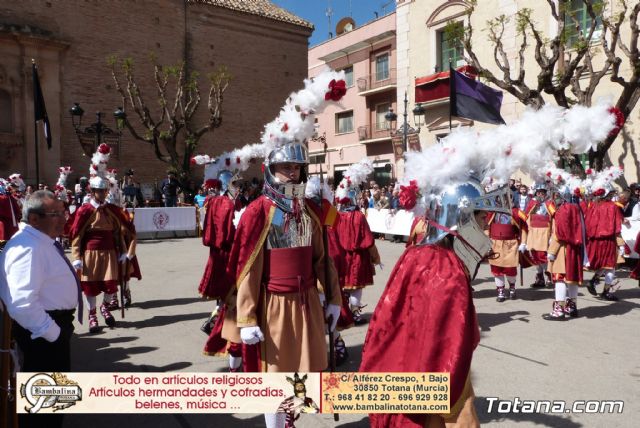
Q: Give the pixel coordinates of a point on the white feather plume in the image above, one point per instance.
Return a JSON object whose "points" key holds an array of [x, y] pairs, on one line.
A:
{"points": [[527, 145], [353, 177], [296, 121]]}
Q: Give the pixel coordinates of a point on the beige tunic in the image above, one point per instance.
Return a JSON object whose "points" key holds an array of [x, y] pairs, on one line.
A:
{"points": [[102, 265], [294, 340]]}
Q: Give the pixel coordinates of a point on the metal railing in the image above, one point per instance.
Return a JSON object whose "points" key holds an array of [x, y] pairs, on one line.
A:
{"points": [[377, 80], [370, 132]]}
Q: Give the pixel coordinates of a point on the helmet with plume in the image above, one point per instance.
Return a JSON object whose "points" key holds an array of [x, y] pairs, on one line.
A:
{"points": [[451, 173], [98, 168], [347, 190]]}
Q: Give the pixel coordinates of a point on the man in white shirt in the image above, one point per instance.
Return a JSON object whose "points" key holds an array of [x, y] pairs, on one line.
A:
{"points": [[40, 290]]}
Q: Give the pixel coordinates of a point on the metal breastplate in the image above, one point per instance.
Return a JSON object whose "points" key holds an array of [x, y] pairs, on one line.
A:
{"points": [[286, 232]]}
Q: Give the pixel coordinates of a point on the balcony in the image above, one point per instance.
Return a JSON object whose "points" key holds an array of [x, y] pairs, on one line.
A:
{"points": [[371, 134], [377, 82]]}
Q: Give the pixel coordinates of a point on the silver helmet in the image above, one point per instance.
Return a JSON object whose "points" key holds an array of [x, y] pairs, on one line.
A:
{"points": [[284, 194], [228, 183], [98, 182], [455, 211]]}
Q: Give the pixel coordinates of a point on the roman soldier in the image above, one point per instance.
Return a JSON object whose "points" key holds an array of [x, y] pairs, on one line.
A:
{"points": [[430, 289], [319, 198], [567, 251], [103, 242], [535, 236], [10, 213], [504, 231], [355, 237], [218, 234], [605, 246]]}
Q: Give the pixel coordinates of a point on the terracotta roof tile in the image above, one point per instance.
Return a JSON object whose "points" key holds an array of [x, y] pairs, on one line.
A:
{"points": [[259, 7]]}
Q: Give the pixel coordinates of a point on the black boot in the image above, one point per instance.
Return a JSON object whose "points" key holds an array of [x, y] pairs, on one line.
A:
{"points": [[570, 308], [608, 295], [539, 282], [501, 297], [341, 351], [591, 287]]}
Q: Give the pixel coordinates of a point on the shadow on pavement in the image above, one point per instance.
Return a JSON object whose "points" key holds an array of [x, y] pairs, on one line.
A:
{"points": [[522, 293], [90, 353], [541, 419], [488, 321], [162, 320], [151, 304]]}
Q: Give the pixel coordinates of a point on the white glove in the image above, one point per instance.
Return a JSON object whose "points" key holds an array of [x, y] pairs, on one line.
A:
{"points": [[122, 258], [551, 257], [334, 312], [77, 264], [522, 248], [381, 266], [322, 299], [621, 250], [251, 335]]}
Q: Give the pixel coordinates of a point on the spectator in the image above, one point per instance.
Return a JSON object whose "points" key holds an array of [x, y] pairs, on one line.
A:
{"points": [[132, 192], [199, 198], [522, 198], [383, 202], [41, 293], [170, 188]]}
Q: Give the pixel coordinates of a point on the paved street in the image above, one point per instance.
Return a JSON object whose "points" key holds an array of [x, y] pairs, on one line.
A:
{"points": [[520, 355]]}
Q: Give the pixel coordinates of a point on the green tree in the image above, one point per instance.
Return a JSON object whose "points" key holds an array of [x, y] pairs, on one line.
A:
{"points": [[588, 46], [171, 127]]}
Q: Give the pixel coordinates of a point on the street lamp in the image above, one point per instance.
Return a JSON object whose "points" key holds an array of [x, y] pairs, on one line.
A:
{"points": [[97, 133], [405, 129]]}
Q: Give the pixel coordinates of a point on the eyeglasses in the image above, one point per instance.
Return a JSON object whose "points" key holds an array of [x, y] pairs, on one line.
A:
{"points": [[64, 214]]}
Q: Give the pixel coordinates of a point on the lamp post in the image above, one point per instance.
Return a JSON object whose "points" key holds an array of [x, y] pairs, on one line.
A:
{"points": [[405, 129], [97, 133]]}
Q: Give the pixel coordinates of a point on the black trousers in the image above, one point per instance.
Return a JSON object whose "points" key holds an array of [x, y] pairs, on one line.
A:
{"points": [[41, 355]]}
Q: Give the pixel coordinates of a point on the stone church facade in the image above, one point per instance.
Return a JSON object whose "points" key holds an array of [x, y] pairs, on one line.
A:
{"points": [[263, 46]]}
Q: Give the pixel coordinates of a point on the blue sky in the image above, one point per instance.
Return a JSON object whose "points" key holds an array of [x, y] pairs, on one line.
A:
{"points": [[361, 11]]}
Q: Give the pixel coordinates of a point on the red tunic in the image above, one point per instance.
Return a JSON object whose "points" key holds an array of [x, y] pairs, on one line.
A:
{"points": [[218, 234], [356, 238], [603, 223], [568, 232], [635, 273], [9, 217], [426, 315]]}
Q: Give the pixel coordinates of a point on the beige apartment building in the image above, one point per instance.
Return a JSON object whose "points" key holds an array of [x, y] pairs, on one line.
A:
{"points": [[357, 127], [423, 54]]}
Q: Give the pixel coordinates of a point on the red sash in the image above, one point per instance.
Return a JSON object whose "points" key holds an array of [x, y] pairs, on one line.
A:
{"points": [[502, 231], [288, 270], [540, 220], [99, 240]]}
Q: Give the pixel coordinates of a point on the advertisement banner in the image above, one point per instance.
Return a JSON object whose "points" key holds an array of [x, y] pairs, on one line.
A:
{"points": [[292, 393]]}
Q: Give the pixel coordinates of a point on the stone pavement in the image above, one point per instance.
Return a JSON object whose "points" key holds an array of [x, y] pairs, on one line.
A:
{"points": [[520, 355]]}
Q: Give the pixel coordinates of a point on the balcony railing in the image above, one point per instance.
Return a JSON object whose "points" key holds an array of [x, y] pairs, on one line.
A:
{"points": [[369, 132], [377, 80]]}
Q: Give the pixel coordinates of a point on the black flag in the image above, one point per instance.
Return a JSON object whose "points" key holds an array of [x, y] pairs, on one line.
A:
{"points": [[39, 109]]}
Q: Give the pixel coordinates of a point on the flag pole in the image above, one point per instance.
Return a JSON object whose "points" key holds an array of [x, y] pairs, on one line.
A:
{"points": [[451, 77], [35, 122]]}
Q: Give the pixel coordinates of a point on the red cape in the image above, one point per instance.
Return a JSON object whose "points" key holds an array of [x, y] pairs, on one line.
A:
{"points": [[425, 314], [569, 232], [83, 214], [218, 234], [603, 220], [9, 211], [355, 237]]}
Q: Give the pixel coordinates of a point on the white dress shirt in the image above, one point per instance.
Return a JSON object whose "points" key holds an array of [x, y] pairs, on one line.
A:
{"points": [[34, 279]]}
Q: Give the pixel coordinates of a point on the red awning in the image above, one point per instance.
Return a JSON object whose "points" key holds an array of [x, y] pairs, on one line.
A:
{"points": [[436, 86]]}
